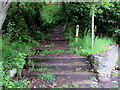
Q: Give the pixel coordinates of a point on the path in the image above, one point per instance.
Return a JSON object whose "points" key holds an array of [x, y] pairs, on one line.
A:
{"points": [[67, 69]]}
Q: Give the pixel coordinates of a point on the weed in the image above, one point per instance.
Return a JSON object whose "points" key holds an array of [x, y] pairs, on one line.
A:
{"points": [[42, 86], [41, 69], [92, 70], [93, 85], [77, 69], [93, 78], [43, 53], [65, 86], [51, 45], [54, 84], [48, 76], [56, 88], [75, 85]]}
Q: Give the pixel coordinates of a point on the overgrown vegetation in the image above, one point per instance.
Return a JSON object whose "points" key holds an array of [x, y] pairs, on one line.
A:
{"points": [[40, 69], [13, 56], [55, 51], [84, 43], [48, 76], [27, 22], [106, 18]]}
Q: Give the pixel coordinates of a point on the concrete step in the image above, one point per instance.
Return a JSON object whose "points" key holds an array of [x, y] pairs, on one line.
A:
{"points": [[68, 75], [57, 59], [54, 48], [61, 66], [81, 78], [58, 64], [66, 67], [57, 39]]}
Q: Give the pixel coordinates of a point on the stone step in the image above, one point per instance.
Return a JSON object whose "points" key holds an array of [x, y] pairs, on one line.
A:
{"points": [[58, 64], [81, 84], [61, 66], [57, 59], [63, 81], [54, 48], [68, 75], [66, 67], [57, 39]]}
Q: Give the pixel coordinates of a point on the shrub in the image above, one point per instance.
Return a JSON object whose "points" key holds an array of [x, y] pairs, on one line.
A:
{"points": [[13, 56]]}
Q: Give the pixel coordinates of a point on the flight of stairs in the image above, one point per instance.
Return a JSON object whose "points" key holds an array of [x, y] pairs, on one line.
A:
{"points": [[66, 68], [69, 70]]}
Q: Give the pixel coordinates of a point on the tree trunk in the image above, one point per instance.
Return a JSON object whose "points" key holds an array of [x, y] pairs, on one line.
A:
{"points": [[2, 19], [3, 11]]}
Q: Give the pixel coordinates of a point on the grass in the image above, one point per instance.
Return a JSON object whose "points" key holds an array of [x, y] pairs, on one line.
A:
{"points": [[77, 69], [84, 43], [93, 86], [48, 76], [51, 45], [54, 51], [75, 85], [65, 86], [93, 78], [41, 69]]}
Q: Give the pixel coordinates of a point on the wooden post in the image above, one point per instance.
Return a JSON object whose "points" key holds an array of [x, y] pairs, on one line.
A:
{"points": [[92, 43], [77, 31]]}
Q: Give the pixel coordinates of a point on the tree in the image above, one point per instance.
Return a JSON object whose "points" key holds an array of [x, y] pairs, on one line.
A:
{"points": [[95, 7], [3, 11]]}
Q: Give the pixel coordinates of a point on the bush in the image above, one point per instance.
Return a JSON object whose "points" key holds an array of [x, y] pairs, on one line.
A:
{"points": [[52, 13], [13, 56]]}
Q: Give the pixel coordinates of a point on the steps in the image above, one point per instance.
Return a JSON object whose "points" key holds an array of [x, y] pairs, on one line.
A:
{"points": [[66, 69], [57, 59], [57, 35]]}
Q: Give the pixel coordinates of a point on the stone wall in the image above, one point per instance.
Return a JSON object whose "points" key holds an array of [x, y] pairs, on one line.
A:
{"points": [[103, 63]]}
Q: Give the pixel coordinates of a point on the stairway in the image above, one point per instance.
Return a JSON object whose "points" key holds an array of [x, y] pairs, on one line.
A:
{"points": [[66, 69]]}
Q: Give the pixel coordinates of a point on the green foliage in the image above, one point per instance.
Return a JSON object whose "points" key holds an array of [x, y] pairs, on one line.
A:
{"points": [[16, 33], [75, 85], [1, 76], [13, 53], [52, 13], [77, 69], [43, 86], [51, 52], [24, 22], [9, 83], [13, 56], [51, 45], [54, 84], [48, 76], [100, 45], [108, 23], [93, 86], [65, 86], [41, 69], [106, 17], [93, 78]]}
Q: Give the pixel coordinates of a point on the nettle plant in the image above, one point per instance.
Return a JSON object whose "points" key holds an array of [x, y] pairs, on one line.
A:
{"points": [[13, 60]]}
